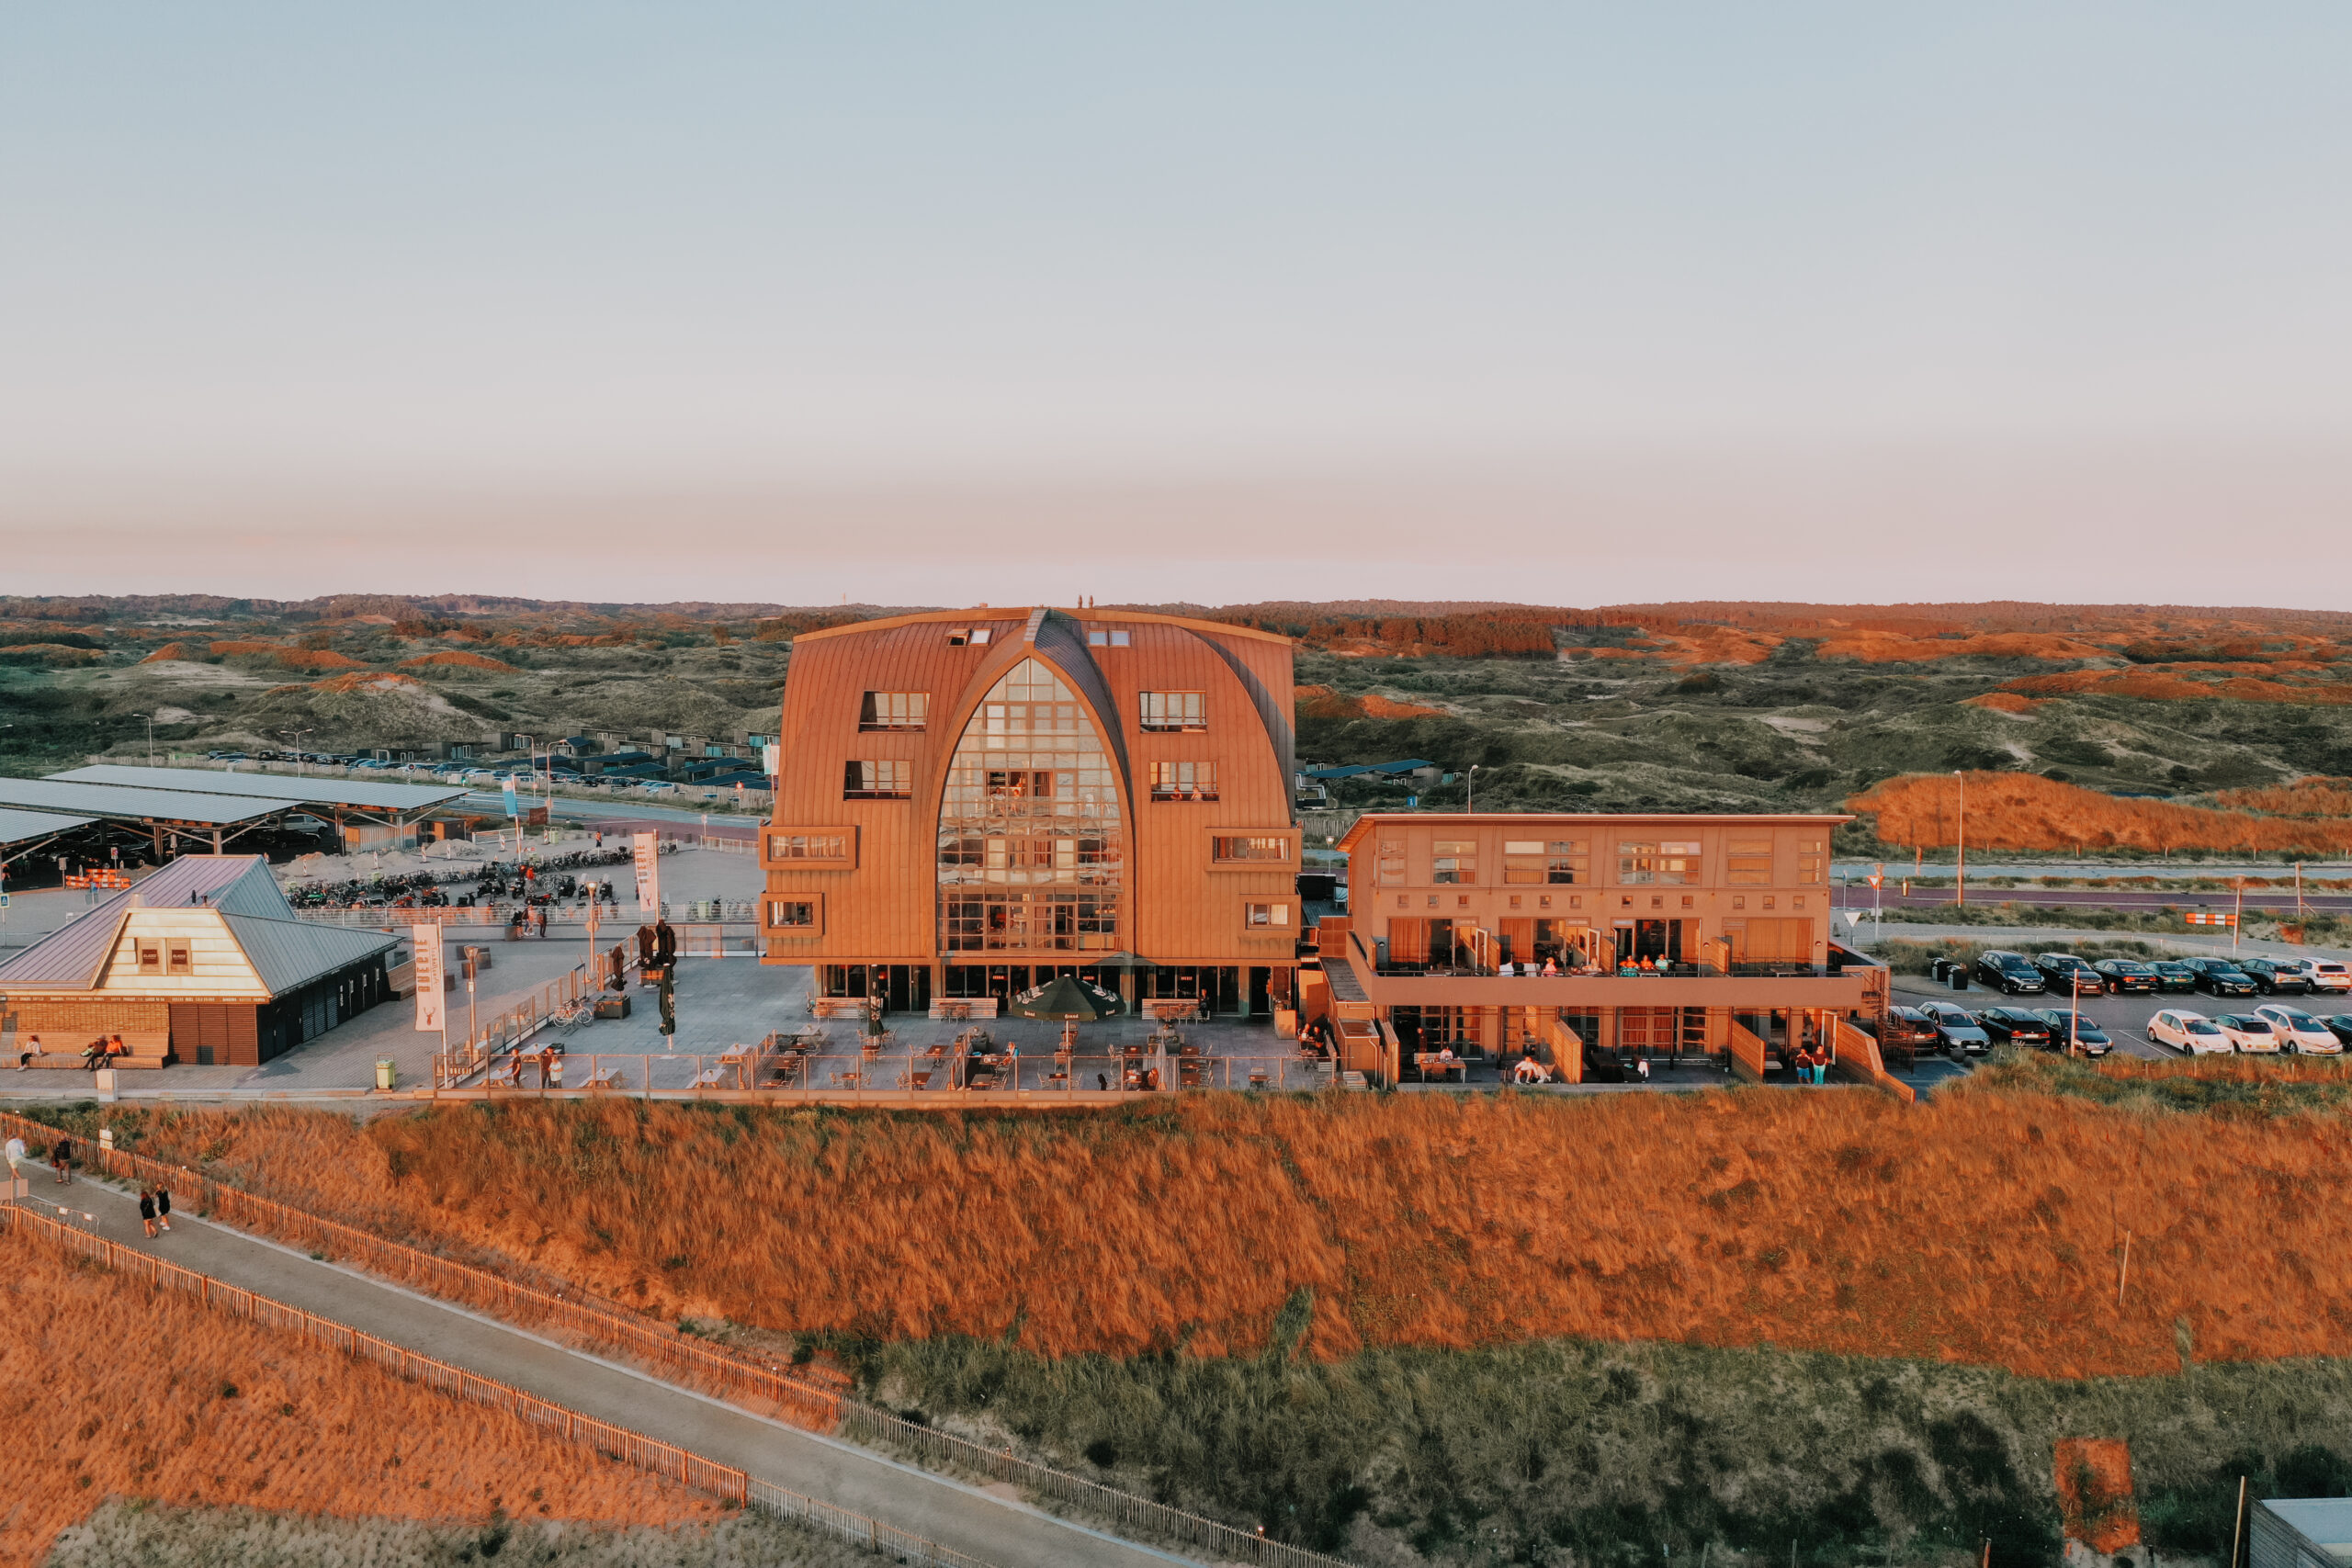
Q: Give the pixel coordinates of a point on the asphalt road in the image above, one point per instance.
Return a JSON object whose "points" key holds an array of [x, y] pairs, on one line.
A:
{"points": [[2125, 1018], [2098, 897]]}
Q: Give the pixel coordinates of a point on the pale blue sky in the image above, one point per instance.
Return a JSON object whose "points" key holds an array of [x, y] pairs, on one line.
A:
{"points": [[918, 303]]}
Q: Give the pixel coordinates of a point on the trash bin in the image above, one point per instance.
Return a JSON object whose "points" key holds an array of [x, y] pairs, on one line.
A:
{"points": [[1959, 978], [104, 1077], [385, 1072]]}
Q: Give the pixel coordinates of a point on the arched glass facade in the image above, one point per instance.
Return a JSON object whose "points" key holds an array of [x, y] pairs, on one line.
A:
{"points": [[1031, 850]]}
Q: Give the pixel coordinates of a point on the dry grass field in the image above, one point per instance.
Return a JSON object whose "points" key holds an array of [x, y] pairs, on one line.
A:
{"points": [[110, 1389], [2021, 811], [1988, 1226]]}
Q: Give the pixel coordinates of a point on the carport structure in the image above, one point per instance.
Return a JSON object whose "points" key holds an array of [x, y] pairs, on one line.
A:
{"points": [[23, 833], [166, 818], [395, 808]]}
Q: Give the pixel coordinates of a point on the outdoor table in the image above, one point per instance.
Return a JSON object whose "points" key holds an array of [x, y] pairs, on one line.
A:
{"points": [[848, 1080], [1429, 1061], [935, 1050], [914, 1080], [610, 1078], [711, 1078], [1258, 1078]]}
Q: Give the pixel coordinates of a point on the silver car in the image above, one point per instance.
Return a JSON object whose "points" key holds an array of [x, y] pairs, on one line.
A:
{"points": [[1957, 1028]]}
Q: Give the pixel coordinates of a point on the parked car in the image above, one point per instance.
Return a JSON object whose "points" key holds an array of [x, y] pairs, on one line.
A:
{"points": [[2323, 974], [2219, 977], [2189, 1031], [2078, 1029], [2249, 1033], [2126, 974], [1910, 1026], [2339, 1024], [2273, 979], [2015, 1026], [2300, 1033], [2174, 975], [2012, 973], [2064, 972], [1957, 1027]]}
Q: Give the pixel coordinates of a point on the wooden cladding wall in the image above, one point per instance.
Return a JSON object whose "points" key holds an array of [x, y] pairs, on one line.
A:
{"points": [[1174, 908]]}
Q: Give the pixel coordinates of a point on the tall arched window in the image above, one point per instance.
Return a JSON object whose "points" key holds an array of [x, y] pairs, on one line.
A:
{"points": [[1030, 844]]}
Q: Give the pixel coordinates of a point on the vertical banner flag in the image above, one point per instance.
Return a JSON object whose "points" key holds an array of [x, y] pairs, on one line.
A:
{"points": [[514, 806], [649, 873], [431, 965], [771, 759]]}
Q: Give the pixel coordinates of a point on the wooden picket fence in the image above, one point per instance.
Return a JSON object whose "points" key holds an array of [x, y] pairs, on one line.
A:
{"points": [[799, 1399], [728, 1375], [683, 1465]]}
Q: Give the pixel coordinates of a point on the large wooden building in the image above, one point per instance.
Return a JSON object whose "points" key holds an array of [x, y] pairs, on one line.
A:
{"points": [[1643, 932], [969, 803]]}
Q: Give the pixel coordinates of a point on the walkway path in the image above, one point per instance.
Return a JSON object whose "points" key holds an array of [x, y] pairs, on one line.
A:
{"points": [[981, 1523]]}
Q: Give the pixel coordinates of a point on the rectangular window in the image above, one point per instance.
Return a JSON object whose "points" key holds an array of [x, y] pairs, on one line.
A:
{"points": [[1453, 861], [1173, 710], [1391, 870], [808, 846], [977, 636], [1748, 862], [893, 710], [1809, 860], [177, 959], [1183, 781], [1678, 863], [1636, 864], [1106, 636], [889, 780], [1522, 860], [1267, 917], [151, 958], [793, 914], [1237, 848], [1566, 864]]}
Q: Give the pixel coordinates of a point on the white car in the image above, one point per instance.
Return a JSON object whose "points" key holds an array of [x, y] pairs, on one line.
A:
{"points": [[2189, 1031], [2321, 973], [2249, 1031], [2301, 1032]]}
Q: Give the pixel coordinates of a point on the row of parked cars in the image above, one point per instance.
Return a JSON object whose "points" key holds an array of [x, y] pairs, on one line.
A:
{"points": [[2013, 974], [1949, 1028]]}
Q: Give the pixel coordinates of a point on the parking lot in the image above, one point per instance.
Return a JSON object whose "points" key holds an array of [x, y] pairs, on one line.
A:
{"points": [[2125, 1017]]}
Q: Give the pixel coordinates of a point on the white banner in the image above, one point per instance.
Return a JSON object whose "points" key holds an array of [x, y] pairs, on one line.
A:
{"points": [[431, 966], [649, 873]]}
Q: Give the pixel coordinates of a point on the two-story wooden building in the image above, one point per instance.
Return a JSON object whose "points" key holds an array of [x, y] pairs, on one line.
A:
{"points": [[970, 802], [1653, 932]]}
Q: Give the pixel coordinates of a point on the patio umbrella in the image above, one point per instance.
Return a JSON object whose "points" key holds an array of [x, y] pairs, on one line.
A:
{"points": [[1070, 999]]}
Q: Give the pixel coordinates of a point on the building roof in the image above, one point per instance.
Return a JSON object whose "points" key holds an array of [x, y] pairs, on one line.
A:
{"points": [[137, 804], [285, 951], [1364, 823], [994, 613], [23, 827], [301, 790], [2324, 1522]]}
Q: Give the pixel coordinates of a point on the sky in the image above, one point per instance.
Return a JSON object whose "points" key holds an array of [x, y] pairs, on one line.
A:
{"points": [[905, 304]]}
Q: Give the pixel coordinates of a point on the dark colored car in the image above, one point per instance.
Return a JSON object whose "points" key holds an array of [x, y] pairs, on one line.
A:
{"points": [[1909, 1026], [2013, 974], [2219, 977], [2271, 980], [2015, 1026], [2079, 1029], [2064, 972], [2127, 975], [2340, 1025], [2174, 975]]}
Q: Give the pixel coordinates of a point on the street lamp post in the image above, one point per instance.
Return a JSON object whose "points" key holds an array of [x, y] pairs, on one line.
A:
{"points": [[150, 736], [296, 736], [1959, 890], [1469, 792]]}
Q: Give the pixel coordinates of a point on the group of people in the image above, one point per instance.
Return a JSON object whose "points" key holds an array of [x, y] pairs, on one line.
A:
{"points": [[1812, 1062], [155, 1202], [1509, 969]]}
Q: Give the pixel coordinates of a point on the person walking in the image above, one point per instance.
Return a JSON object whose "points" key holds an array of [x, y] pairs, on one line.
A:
{"points": [[541, 917], [163, 1207], [61, 1160], [15, 1156], [547, 1062], [147, 1212]]}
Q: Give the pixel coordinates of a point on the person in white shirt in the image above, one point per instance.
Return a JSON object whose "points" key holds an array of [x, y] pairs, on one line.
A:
{"points": [[16, 1156]]}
